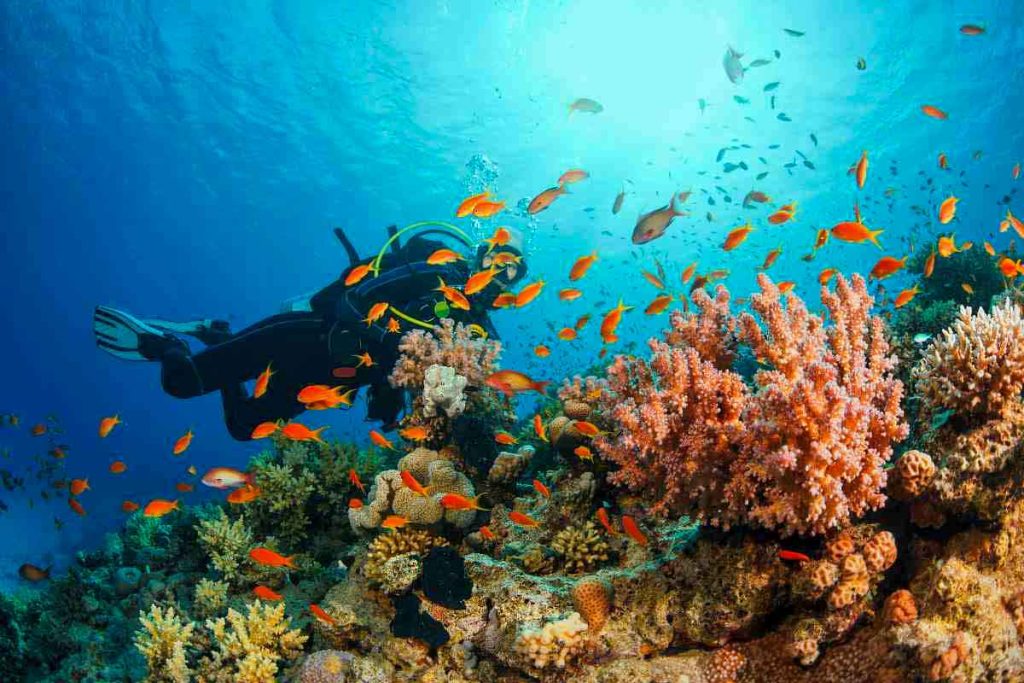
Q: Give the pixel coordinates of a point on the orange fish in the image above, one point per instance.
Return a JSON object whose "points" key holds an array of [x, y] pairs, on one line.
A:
{"points": [[264, 593], [469, 203], [354, 504], [411, 483], [321, 615], [158, 507], [773, 256], [260, 387], [76, 506], [541, 488], [688, 272], [602, 517], [38, 429], [929, 264], [966, 246], [183, 442], [1012, 221], [793, 556], [129, 506], [505, 439], [511, 382], [505, 258], [1009, 268], [479, 281], [545, 199], [783, 215], [486, 533], [633, 531], [583, 453], [500, 238], [972, 30], [107, 424], [443, 256], [529, 293], [394, 522], [569, 294], [117, 467], [487, 208], [943, 161], [317, 393], [264, 429], [947, 246], [736, 237], [244, 494], [886, 266], [567, 334], [821, 238], [934, 112], [31, 572], [906, 296], [989, 249], [611, 322], [947, 210], [79, 486], [653, 279], [519, 519], [394, 327], [786, 287], [826, 276], [353, 477], [414, 433], [1016, 171], [581, 322], [573, 176], [457, 298], [504, 300], [357, 274], [376, 312], [588, 429], [967, 288], [184, 487], [581, 266], [541, 351], [270, 558], [365, 360], [862, 169], [538, 428], [454, 501], [658, 305], [58, 452], [296, 431], [855, 231], [379, 440]]}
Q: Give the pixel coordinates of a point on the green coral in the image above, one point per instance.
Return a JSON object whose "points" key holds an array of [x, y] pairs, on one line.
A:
{"points": [[226, 542], [249, 648], [163, 641], [210, 597]]}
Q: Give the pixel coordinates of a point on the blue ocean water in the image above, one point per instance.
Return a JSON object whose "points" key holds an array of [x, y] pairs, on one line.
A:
{"points": [[190, 161]]}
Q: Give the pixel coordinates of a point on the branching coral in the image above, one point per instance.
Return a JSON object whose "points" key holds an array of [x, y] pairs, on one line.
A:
{"points": [[712, 333], [581, 548], [162, 641], [447, 344], [976, 367], [210, 597], [401, 542], [802, 454], [248, 648], [281, 506], [226, 542]]}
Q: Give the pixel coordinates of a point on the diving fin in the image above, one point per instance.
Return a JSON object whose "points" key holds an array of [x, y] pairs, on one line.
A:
{"points": [[125, 336]]}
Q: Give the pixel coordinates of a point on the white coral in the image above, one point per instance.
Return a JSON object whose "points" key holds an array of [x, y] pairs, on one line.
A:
{"points": [[443, 391], [554, 644]]}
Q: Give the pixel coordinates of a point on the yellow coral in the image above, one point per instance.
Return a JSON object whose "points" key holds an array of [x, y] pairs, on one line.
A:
{"points": [[249, 647], [226, 543], [162, 642], [389, 545], [210, 597], [581, 547]]}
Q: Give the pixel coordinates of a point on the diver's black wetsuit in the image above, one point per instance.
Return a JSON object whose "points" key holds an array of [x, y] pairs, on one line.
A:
{"points": [[319, 346]]}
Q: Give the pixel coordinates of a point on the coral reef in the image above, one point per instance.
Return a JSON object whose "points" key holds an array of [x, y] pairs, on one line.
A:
{"points": [[162, 642], [227, 543], [249, 648], [387, 546], [448, 344], [443, 392], [555, 644], [581, 548]]}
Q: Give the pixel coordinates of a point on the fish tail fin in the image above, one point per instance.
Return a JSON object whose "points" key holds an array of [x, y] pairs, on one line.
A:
{"points": [[541, 387], [317, 432], [873, 236], [476, 503]]}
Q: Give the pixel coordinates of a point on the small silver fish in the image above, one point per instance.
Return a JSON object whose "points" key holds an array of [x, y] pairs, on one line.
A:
{"points": [[733, 67], [921, 338], [586, 105]]}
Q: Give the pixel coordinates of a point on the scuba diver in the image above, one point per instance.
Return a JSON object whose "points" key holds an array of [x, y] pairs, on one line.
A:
{"points": [[320, 338]]}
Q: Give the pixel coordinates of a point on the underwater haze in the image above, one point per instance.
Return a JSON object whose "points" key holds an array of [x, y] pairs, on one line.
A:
{"points": [[187, 161]]}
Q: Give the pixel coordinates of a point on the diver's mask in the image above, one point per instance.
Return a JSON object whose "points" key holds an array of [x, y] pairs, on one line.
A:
{"points": [[511, 273]]}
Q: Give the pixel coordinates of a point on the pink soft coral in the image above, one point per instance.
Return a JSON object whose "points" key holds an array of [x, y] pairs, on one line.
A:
{"points": [[447, 344], [801, 454]]}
